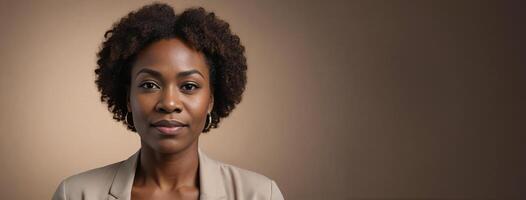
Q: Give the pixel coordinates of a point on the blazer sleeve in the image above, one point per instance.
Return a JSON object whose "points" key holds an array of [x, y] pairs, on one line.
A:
{"points": [[275, 193], [60, 193]]}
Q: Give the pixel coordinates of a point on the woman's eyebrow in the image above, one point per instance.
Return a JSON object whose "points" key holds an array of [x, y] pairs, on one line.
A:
{"points": [[152, 72], [157, 74], [188, 73]]}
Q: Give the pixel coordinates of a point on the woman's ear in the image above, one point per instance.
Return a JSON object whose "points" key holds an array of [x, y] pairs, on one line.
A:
{"points": [[211, 104]]}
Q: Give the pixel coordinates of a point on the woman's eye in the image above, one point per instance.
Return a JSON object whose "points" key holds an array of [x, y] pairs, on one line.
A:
{"points": [[148, 85], [189, 87]]}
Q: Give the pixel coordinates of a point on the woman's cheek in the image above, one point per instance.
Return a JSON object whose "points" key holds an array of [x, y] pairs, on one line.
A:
{"points": [[197, 109], [142, 105]]}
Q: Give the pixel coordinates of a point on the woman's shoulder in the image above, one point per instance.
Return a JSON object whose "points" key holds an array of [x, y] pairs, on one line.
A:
{"points": [[94, 176], [247, 182], [94, 182], [237, 174]]}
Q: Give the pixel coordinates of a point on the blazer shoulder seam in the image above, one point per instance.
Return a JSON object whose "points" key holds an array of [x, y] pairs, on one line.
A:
{"points": [[64, 191], [271, 189]]}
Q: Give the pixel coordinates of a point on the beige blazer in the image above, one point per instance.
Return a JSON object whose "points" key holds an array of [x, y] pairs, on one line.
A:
{"points": [[217, 181]]}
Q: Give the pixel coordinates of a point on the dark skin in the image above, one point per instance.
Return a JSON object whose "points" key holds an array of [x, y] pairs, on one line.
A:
{"points": [[170, 81]]}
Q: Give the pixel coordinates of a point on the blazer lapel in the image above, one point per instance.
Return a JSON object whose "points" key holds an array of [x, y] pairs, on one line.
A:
{"points": [[123, 180], [212, 186]]}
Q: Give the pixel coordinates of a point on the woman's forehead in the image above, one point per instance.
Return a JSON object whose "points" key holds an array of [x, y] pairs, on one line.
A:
{"points": [[170, 56]]}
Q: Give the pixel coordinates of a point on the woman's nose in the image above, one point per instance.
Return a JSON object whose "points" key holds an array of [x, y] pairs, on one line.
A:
{"points": [[169, 101]]}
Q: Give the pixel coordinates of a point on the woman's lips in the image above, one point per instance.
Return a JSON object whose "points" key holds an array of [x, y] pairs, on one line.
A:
{"points": [[169, 130]]}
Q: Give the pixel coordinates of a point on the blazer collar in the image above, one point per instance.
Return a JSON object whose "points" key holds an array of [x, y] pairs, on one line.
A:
{"points": [[211, 184]]}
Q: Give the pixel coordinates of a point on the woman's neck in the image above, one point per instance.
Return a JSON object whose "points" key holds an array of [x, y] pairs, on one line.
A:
{"points": [[168, 171]]}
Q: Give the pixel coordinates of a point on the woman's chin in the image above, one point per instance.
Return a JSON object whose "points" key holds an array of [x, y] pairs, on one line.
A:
{"points": [[170, 146]]}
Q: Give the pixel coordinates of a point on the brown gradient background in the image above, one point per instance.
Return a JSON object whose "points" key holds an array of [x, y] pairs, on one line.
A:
{"points": [[345, 99]]}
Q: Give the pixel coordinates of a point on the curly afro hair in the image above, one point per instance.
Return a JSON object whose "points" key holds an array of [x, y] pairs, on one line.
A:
{"points": [[202, 30]]}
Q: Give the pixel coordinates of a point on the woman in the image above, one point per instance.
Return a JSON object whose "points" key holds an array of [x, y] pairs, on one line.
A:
{"points": [[170, 77]]}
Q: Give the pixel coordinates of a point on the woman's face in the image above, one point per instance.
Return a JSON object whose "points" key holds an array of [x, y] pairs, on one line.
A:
{"points": [[170, 81]]}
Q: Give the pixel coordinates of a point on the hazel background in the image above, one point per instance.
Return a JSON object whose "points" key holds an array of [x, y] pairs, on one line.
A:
{"points": [[345, 99]]}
